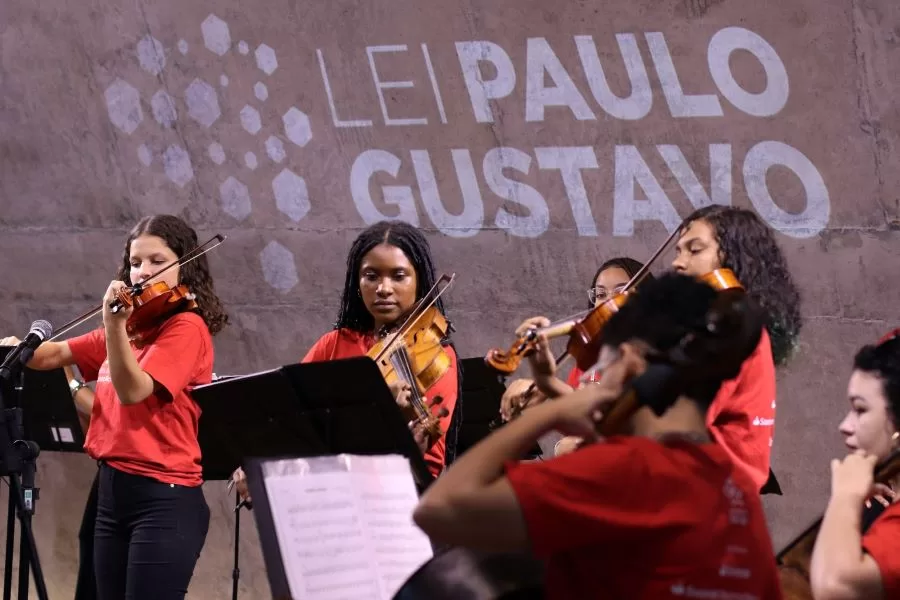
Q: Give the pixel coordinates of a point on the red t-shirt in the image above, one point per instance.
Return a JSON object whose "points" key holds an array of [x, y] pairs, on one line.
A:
{"points": [[156, 438], [880, 542], [633, 518], [344, 343], [742, 415]]}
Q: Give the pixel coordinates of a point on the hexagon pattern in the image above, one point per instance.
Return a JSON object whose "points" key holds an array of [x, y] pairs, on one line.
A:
{"points": [[250, 119], [123, 103], [278, 267], [163, 107], [250, 161], [177, 164], [144, 155], [182, 46], [151, 55], [203, 104], [291, 195], [216, 153], [261, 91], [223, 80], [243, 47], [216, 36], [235, 198], [265, 59], [296, 126], [275, 149]]}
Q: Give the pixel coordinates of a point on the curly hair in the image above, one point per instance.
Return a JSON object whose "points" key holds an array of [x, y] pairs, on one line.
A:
{"points": [[883, 360], [354, 315], [627, 264], [180, 238], [747, 246]]}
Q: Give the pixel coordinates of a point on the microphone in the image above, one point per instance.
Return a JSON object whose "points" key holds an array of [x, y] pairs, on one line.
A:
{"points": [[40, 330]]}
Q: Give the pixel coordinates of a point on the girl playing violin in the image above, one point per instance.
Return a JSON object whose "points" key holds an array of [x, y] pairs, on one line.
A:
{"points": [[742, 417], [608, 281], [152, 518], [389, 269], [848, 561], [659, 512]]}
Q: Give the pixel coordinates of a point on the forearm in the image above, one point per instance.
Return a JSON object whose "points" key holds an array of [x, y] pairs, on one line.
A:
{"points": [[482, 465], [131, 383], [553, 387], [837, 555], [51, 355]]}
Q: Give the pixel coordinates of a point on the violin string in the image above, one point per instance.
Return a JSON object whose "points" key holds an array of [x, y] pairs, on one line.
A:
{"points": [[403, 368]]}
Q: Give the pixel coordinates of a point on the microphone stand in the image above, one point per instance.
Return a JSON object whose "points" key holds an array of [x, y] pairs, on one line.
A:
{"points": [[18, 460], [236, 572]]}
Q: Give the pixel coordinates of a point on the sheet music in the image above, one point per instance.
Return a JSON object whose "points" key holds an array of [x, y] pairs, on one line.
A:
{"points": [[344, 525]]}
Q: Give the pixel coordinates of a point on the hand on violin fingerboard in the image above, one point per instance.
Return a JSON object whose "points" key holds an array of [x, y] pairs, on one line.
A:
{"points": [[519, 396]]}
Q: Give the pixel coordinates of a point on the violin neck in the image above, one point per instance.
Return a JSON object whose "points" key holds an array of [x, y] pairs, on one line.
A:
{"points": [[558, 329]]}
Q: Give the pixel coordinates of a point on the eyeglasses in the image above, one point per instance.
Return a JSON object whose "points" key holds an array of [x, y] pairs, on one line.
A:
{"points": [[601, 294]]}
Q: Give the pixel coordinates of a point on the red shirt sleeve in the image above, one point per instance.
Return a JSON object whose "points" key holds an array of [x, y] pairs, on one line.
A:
{"points": [[573, 377], [567, 504], [184, 335], [89, 352], [742, 415], [880, 542], [324, 349]]}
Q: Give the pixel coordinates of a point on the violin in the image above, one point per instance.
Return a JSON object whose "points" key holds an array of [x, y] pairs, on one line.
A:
{"points": [[795, 559], [413, 353], [153, 303], [583, 329]]}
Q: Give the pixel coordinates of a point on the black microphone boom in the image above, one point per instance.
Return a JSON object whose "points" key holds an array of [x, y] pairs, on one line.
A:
{"points": [[22, 353]]}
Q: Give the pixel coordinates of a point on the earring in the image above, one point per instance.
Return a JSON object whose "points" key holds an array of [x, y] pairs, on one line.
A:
{"points": [[895, 436]]}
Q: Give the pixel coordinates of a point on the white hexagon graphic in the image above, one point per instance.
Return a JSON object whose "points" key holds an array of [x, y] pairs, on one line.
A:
{"points": [[163, 107], [235, 198], [151, 55], [275, 149], [243, 47], [144, 155], [250, 119], [250, 161], [177, 163], [223, 80], [182, 46], [123, 103], [216, 153], [291, 195], [261, 91], [296, 126], [278, 267], [202, 102], [266, 60], [216, 36]]}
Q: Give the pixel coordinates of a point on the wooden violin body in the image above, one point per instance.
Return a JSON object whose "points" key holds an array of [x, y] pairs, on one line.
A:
{"points": [[153, 304], [414, 354]]}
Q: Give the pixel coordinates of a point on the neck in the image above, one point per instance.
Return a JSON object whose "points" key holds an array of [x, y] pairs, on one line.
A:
{"points": [[684, 418]]}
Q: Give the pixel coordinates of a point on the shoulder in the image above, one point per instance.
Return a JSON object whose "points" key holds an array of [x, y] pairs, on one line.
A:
{"points": [[327, 346], [186, 323]]}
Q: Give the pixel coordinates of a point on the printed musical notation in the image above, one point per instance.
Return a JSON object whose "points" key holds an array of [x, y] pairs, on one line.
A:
{"points": [[344, 525]]}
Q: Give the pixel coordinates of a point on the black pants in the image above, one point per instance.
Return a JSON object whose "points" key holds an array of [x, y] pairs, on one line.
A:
{"points": [[86, 588], [147, 538]]}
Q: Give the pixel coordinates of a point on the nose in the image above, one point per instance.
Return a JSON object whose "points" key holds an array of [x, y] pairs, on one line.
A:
{"points": [[679, 263], [846, 426], [385, 288]]}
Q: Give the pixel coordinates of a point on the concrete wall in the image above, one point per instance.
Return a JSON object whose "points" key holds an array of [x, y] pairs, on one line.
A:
{"points": [[520, 141]]}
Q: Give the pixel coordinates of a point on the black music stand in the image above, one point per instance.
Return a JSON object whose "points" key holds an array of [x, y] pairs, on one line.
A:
{"points": [[49, 416], [482, 388], [302, 410]]}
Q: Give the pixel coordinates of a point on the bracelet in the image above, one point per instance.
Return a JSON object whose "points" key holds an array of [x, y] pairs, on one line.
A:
{"points": [[75, 385]]}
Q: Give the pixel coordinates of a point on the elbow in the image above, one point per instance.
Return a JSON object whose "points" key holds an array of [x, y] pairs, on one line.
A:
{"points": [[131, 396], [431, 516]]}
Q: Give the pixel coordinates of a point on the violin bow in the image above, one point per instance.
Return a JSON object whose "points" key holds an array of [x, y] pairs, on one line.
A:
{"points": [[189, 256], [418, 310]]}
